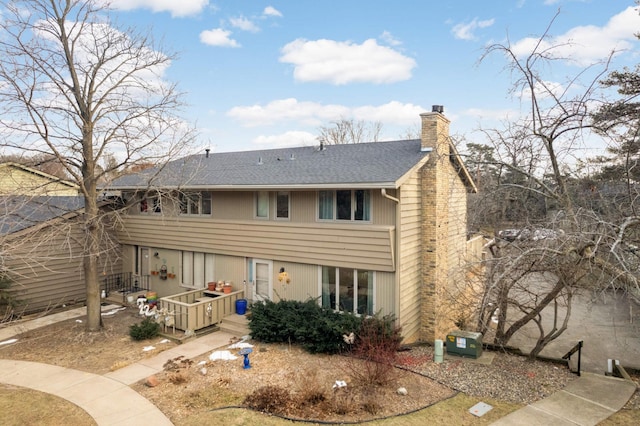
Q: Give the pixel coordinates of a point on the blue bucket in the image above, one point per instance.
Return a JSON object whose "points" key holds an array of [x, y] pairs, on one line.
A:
{"points": [[241, 306]]}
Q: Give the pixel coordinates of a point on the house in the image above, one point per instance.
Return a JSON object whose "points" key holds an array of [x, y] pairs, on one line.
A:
{"points": [[41, 239], [18, 179], [366, 228]]}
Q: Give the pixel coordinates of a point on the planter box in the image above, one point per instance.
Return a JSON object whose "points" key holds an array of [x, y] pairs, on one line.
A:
{"points": [[198, 309]]}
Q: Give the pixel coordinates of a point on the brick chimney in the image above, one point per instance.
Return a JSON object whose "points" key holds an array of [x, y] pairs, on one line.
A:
{"points": [[435, 131]]}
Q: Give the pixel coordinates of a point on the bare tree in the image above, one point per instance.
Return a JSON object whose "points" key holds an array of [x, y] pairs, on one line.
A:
{"points": [[562, 247], [76, 87], [346, 131]]}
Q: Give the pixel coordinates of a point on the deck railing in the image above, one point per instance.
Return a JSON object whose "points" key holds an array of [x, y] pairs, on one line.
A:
{"points": [[124, 283], [194, 310]]}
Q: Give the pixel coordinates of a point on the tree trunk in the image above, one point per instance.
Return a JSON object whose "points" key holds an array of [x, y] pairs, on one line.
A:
{"points": [[90, 264]]}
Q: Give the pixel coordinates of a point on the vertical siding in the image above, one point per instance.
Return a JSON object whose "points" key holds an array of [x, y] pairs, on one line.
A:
{"points": [[230, 268], [385, 299], [304, 281], [409, 257]]}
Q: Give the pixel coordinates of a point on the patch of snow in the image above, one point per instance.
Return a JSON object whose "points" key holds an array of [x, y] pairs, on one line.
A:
{"points": [[148, 348], [164, 341], [222, 355], [8, 342], [241, 345]]}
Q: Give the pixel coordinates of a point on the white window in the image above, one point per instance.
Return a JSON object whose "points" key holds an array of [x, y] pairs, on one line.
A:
{"points": [[282, 205], [348, 290], [197, 269], [262, 205], [352, 205], [195, 203]]}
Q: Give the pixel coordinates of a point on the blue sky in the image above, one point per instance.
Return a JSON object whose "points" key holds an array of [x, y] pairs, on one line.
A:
{"points": [[267, 74]]}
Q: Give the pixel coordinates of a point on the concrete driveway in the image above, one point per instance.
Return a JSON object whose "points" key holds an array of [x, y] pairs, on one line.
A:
{"points": [[609, 326]]}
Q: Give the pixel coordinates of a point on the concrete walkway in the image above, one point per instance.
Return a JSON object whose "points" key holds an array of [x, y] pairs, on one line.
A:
{"points": [[586, 401], [110, 401]]}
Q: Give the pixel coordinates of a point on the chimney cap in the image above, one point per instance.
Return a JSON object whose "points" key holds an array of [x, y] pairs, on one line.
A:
{"points": [[437, 108]]}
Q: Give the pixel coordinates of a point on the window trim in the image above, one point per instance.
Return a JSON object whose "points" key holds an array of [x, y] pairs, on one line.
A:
{"points": [[187, 199], [256, 205], [277, 195], [367, 207], [152, 204], [208, 268], [371, 297]]}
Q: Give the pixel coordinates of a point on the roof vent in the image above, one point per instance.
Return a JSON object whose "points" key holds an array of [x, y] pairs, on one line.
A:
{"points": [[260, 161], [292, 157], [437, 108], [206, 155]]}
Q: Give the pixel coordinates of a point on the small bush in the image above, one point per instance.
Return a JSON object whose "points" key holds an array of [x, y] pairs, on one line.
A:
{"points": [[375, 352], [147, 329], [270, 399], [8, 300]]}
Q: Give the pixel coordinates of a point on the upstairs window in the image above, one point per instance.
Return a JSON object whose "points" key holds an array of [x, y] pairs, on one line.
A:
{"points": [[282, 205], [151, 204], [262, 205], [352, 205], [195, 203]]}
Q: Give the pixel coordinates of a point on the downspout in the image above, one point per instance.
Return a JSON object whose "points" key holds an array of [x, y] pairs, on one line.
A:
{"points": [[383, 191], [398, 314]]}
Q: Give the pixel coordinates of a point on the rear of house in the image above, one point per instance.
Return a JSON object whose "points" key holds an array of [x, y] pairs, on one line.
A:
{"points": [[365, 228]]}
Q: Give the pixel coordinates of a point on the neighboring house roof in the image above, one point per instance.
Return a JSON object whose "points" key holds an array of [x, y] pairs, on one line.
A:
{"points": [[21, 212], [42, 180], [375, 164]]}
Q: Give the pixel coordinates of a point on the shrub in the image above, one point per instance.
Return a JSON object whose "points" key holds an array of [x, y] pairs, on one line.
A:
{"points": [[316, 329], [270, 399], [375, 352], [8, 300], [147, 329]]}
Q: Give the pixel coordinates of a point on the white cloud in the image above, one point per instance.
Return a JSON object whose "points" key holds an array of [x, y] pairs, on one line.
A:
{"points": [[244, 24], [587, 44], [287, 139], [176, 8], [316, 114], [465, 31], [272, 11], [544, 90], [218, 37], [346, 62], [388, 38]]}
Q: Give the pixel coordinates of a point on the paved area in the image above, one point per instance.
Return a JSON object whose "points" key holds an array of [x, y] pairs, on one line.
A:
{"points": [[609, 326], [586, 401], [110, 401]]}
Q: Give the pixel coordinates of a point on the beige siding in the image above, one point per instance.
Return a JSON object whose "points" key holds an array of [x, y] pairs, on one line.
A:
{"points": [[385, 299], [46, 266], [17, 181], [304, 282], [360, 246], [240, 205], [232, 269], [409, 257]]}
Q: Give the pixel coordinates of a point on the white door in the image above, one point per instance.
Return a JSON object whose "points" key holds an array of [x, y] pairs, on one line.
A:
{"points": [[262, 279], [144, 261]]}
